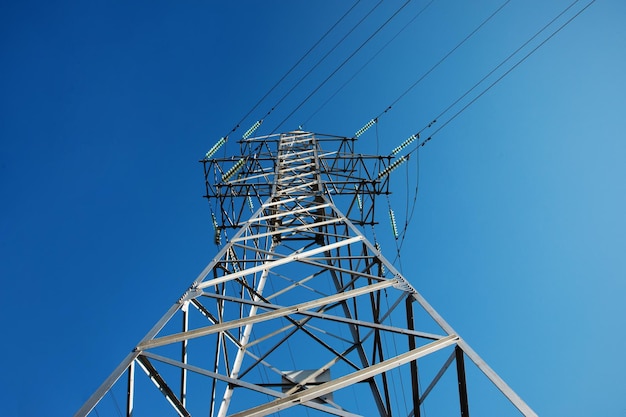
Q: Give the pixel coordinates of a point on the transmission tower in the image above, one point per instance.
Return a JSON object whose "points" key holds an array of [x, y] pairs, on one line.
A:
{"points": [[299, 313]]}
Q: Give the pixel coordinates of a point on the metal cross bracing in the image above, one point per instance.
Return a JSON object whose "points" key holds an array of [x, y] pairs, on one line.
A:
{"points": [[236, 185], [299, 313]]}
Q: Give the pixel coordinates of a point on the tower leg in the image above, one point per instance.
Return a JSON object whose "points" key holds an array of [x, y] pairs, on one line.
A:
{"points": [[414, 379], [183, 353], [460, 371], [130, 391]]}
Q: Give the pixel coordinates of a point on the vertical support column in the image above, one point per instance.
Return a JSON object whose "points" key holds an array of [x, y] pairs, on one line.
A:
{"points": [[130, 390], [460, 371], [183, 371], [410, 320]]}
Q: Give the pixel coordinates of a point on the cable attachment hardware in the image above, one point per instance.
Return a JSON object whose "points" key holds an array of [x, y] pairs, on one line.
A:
{"points": [[403, 285], [190, 294]]}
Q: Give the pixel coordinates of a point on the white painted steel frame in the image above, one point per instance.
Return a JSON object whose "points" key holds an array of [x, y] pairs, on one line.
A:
{"points": [[347, 380], [330, 249]]}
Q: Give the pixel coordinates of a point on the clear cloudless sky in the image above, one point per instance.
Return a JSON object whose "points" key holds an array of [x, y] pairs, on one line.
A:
{"points": [[519, 232]]}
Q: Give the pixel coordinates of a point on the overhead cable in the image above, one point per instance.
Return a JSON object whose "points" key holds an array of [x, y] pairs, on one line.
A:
{"points": [[416, 149], [368, 61], [322, 59], [342, 64], [505, 61], [293, 67], [421, 144], [445, 57], [483, 23], [506, 72]]}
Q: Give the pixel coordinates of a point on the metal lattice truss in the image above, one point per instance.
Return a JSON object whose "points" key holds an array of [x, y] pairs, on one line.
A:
{"points": [[298, 313], [238, 185]]}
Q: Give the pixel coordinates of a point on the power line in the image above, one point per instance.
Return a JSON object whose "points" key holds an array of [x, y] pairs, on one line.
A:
{"points": [[423, 143], [322, 59], [484, 22], [506, 60], [342, 64], [505, 74], [409, 212], [293, 67], [369, 61]]}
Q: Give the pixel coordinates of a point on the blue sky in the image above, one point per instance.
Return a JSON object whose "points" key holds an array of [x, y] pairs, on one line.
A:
{"points": [[518, 238]]}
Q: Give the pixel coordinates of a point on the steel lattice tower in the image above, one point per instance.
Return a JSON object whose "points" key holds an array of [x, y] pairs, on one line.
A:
{"points": [[299, 313]]}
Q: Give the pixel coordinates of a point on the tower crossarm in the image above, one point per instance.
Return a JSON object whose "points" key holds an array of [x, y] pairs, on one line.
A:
{"points": [[295, 164]]}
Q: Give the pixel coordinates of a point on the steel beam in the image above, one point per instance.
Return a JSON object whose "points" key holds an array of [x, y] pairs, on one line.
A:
{"points": [[478, 361], [273, 264], [437, 377], [296, 309], [183, 354], [358, 376], [160, 383], [496, 380], [130, 390], [362, 323], [313, 242], [410, 320], [460, 373]]}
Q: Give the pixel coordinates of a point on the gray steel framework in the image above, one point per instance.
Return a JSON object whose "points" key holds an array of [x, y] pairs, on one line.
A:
{"points": [[299, 312]]}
